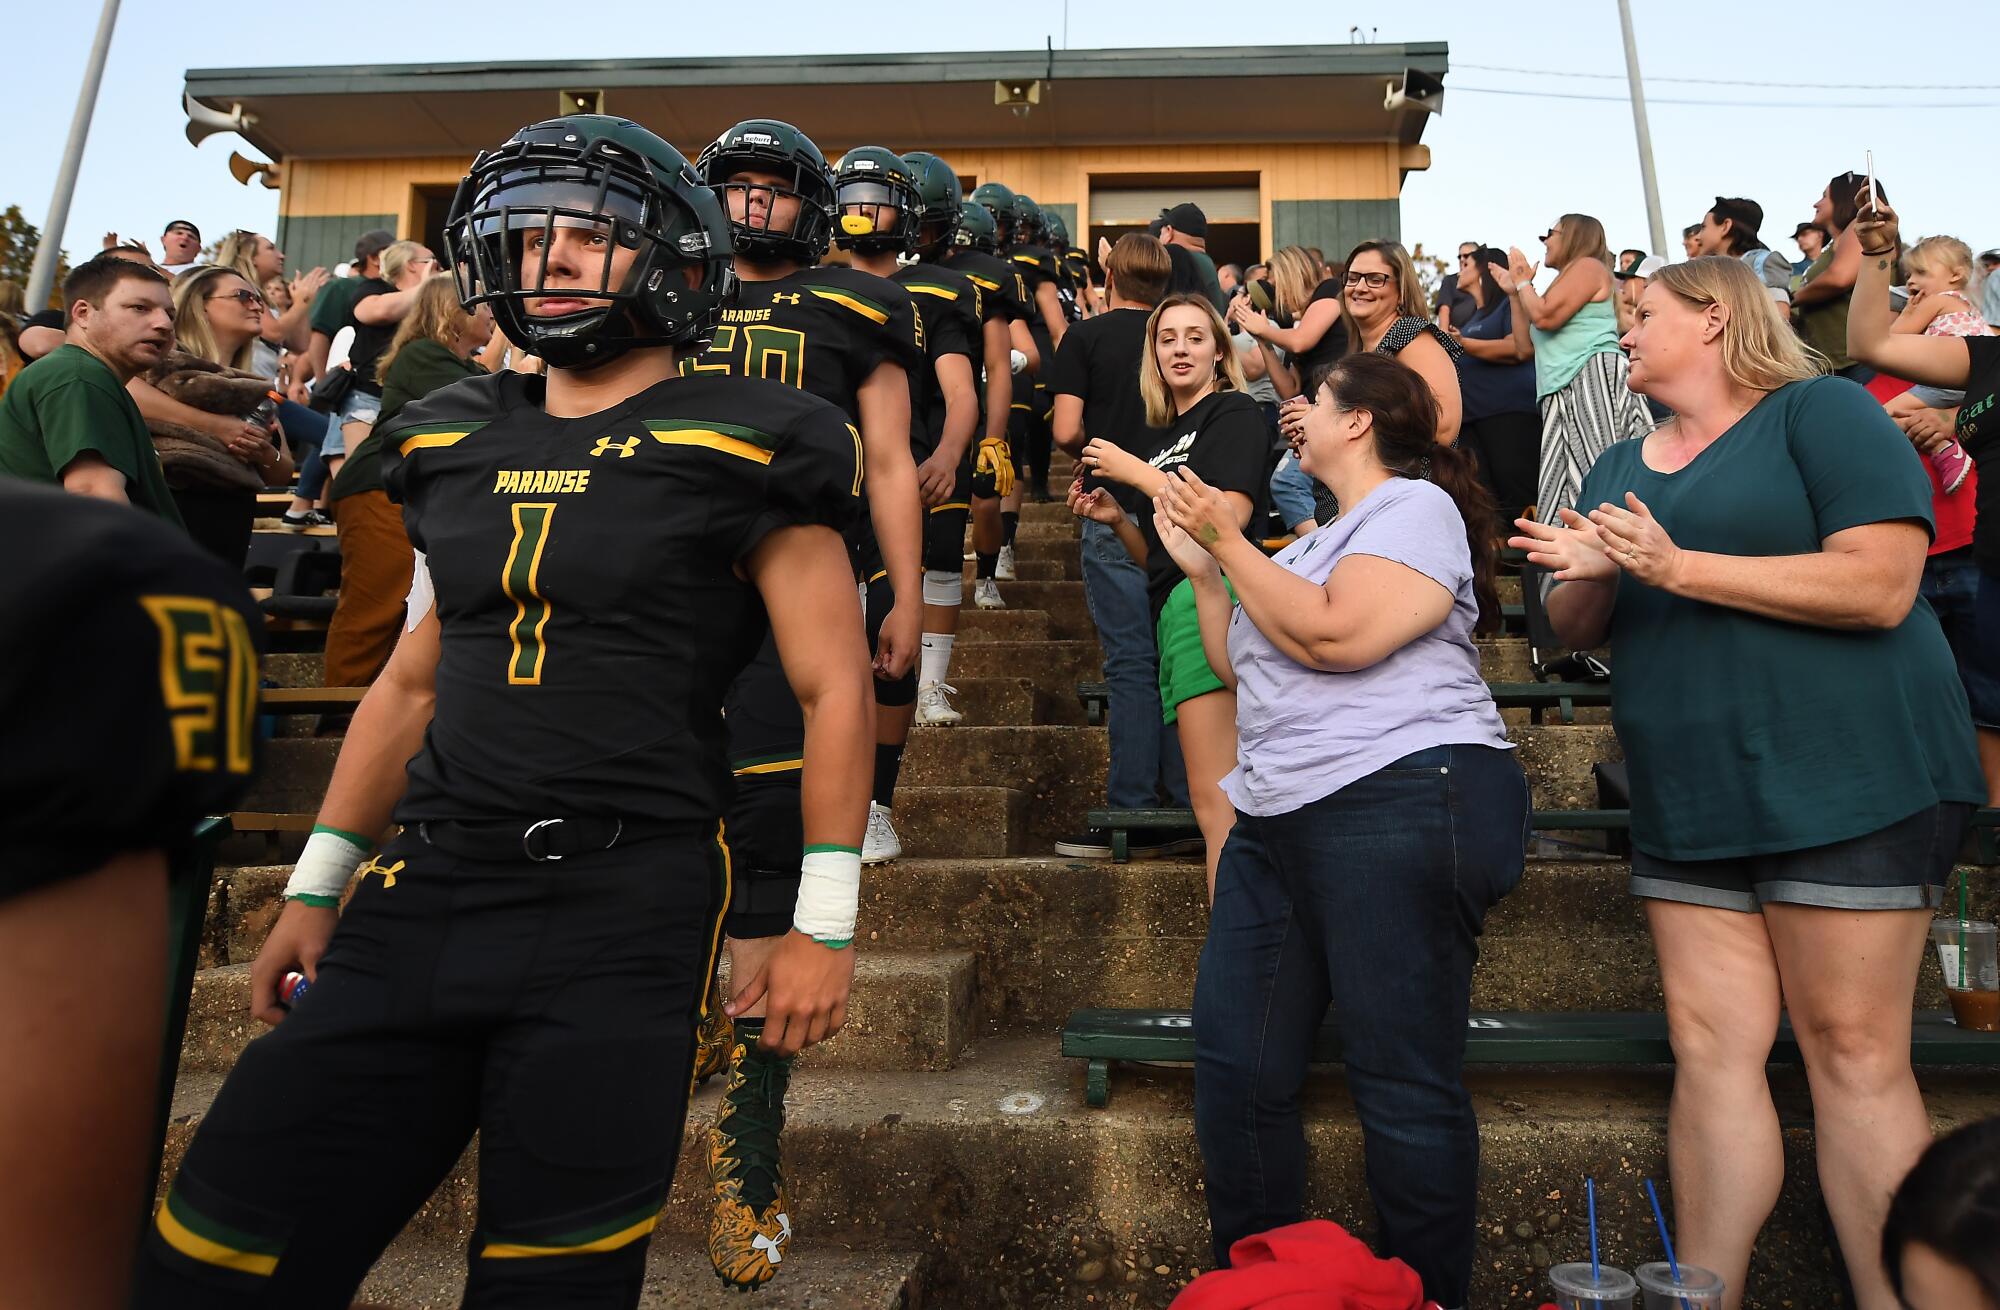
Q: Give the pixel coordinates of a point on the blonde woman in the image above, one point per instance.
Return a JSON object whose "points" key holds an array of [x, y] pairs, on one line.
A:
{"points": [[1310, 304], [434, 346], [1193, 388], [1580, 375], [1801, 754], [259, 260]]}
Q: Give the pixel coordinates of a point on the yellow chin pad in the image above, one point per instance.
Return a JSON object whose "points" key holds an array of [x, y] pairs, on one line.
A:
{"points": [[856, 225]]}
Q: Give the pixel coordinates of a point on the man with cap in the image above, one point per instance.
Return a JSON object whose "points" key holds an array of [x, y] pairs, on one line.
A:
{"points": [[180, 247], [1730, 228], [1184, 231], [1810, 238]]}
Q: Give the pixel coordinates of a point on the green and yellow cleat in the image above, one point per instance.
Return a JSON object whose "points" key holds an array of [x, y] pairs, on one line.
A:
{"points": [[748, 1223], [713, 1041]]}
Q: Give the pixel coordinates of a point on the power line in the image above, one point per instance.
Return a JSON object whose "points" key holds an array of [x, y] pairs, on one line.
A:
{"points": [[1733, 104], [1722, 81]]}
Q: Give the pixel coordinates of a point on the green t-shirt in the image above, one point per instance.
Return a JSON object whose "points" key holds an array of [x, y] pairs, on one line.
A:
{"points": [[69, 403], [418, 369], [1746, 735], [333, 305]]}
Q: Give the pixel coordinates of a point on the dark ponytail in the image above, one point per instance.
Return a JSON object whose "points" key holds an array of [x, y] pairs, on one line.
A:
{"points": [[1405, 424]]}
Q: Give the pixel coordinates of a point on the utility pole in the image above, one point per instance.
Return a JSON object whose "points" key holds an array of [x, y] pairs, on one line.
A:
{"points": [[43, 273], [1645, 135]]}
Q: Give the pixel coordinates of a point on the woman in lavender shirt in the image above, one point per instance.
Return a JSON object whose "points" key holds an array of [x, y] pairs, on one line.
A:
{"points": [[1380, 814]]}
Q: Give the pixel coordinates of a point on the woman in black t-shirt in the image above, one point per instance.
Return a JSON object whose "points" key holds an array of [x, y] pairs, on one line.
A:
{"points": [[1193, 388], [1308, 333], [1970, 364]]}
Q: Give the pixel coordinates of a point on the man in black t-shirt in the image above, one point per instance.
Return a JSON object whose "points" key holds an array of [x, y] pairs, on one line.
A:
{"points": [[380, 305], [600, 550], [128, 687], [1095, 381]]}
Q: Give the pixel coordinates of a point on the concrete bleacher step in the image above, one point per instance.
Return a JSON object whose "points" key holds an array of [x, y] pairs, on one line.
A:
{"points": [[1092, 1203], [1055, 667], [1010, 624], [911, 1009], [418, 1276], [1063, 602], [961, 822], [995, 702], [1053, 569]]}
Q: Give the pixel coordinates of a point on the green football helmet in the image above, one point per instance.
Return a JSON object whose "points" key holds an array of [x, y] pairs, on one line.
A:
{"points": [[867, 181], [940, 198], [1058, 230], [623, 189], [998, 201], [976, 229], [1030, 228], [766, 145]]}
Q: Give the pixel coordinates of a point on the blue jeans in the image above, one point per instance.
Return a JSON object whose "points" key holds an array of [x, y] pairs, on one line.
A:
{"points": [[1371, 899], [1145, 753], [1291, 490], [307, 432]]}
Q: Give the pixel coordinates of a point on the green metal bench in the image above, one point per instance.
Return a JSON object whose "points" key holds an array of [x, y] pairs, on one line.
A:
{"points": [[1105, 1037], [1538, 698]]}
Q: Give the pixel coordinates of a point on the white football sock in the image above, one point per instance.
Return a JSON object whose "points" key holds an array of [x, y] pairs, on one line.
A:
{"points": [[934, 664]]}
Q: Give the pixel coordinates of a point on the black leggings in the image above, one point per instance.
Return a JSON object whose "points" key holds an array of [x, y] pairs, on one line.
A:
{"points": [[551, 1007], [1509, 450]]}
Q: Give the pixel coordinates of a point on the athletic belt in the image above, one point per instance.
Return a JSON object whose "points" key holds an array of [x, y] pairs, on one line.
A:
{"points": [[542, 840]]}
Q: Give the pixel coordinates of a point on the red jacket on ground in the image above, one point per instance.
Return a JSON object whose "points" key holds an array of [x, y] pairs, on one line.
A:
{"points": [[1315, 1265]]}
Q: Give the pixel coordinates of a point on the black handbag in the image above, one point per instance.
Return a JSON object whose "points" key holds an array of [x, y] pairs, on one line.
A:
{"points": [[331, 390]]}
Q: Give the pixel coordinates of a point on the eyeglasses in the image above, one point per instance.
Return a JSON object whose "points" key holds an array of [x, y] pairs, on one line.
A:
{"points": [[247, 298], [428, 259], [1375, 281]]}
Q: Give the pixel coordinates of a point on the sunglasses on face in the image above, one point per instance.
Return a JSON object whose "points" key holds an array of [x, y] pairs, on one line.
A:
{"points": [[246, 297], [1374, 280]]}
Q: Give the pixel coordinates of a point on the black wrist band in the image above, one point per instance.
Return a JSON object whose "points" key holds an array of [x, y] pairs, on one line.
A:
{"points": [[1877, 254]]}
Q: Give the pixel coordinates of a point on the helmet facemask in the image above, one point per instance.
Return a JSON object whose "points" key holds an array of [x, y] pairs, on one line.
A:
{"points": [[877, 214]]}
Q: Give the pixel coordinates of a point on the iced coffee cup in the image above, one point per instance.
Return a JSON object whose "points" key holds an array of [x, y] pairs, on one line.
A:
{"points": [[1965, 950], [1695, 1289], [1612, 1289]]}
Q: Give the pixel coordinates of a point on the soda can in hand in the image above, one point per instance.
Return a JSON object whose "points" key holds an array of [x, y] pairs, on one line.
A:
{"points": [[291, 988]]}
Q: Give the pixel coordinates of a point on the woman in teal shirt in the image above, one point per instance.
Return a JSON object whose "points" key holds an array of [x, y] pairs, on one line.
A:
{"points": [[1800, 748], [1580, 374]]}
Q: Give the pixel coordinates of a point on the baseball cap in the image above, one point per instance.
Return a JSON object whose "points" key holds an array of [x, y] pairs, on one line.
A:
{"points": [[1748, 215], [1646, 267], [1186, 217], [1993, 254], [182, 222], [372, 243], [1803, 228]]}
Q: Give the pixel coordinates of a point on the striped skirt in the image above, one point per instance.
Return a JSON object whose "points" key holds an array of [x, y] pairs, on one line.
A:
{"points": [[1593, 410]]}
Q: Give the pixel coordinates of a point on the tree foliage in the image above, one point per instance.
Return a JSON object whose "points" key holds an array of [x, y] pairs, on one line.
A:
{"points": [[18, 241]]}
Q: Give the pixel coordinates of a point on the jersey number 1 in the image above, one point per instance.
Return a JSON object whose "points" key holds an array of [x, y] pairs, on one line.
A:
{"points": [[520, 578]]}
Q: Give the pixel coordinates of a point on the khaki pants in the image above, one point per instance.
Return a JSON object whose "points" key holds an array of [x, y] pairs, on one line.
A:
{"points": [[376, 564]]}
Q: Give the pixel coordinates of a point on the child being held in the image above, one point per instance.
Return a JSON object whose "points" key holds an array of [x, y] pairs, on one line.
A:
{"points": [[1940, 271]]}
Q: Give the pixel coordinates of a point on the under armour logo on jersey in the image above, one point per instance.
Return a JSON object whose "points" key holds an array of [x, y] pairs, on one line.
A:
{"points": [[784, 297], [624, 448], [388, 871]]}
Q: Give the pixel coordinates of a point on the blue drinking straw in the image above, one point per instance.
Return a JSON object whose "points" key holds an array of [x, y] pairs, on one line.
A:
{"points": [[1590, 1197], [1673, 1265]]}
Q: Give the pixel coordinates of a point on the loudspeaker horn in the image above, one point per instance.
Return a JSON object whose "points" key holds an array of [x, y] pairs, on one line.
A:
{"points": [[1417, 90], [204, 122], [243, 170]]}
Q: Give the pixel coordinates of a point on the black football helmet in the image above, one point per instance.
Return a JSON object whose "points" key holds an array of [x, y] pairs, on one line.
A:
{"points": [[976, 229], [766, 145], [940, 199], [998, 201], [623, 189], [1058, 230], [1030, 228], [870, 185]]}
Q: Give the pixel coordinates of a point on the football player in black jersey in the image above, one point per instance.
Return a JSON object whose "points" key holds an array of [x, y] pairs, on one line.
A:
{"points": [[1041, 271], [128, 684], [879, 212], [853, 339], [976, 253], [600, 549]]}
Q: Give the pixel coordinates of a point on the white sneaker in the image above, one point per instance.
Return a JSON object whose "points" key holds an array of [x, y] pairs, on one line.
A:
{"points": [[986, 595], [880, 845], [1003, 568], [933, 709]]}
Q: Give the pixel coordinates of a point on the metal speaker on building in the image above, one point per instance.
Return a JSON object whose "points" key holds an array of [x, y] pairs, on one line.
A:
{"points": [[1417, 90], [243, 169], [579, 102], [204, 122], [1018, 96]]}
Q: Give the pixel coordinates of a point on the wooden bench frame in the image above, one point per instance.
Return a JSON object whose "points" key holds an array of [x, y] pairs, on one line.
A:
{"points": [[1103, 1038], [1538, 698]]}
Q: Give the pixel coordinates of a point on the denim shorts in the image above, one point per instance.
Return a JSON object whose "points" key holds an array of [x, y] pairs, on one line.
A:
{"points": [[359, 407], [1291, 491], [1901, 867]]}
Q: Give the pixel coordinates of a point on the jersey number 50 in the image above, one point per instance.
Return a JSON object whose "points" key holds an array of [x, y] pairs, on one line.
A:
{"points": [[758, 350]]}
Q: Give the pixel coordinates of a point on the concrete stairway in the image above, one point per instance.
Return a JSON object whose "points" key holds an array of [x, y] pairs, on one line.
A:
{"points": [[940, 1151]]}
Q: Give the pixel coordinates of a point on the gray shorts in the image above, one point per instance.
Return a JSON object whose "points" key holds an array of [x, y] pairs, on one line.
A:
{"points": [[1901, 867]]}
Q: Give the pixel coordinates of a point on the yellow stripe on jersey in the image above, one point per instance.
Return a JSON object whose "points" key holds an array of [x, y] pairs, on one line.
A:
{"points": [[932, 289], [430, 441], [862, 308], [769, 766], [711, 440], [982, 283], [609, 1242], [951, 505], [196, 1247]]}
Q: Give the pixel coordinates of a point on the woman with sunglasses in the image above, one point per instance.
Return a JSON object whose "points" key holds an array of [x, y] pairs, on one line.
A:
{"points": [[216, 468], [1580, 372]]}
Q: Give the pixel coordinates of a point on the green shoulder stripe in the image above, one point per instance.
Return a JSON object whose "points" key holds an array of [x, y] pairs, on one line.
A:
{"points": [[861, 305]]}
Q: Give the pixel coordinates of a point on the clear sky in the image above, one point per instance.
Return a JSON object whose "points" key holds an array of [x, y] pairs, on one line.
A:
{"points": [[1503, 165]]}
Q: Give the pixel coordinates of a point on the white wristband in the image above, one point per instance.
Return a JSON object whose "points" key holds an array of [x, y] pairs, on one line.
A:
{"points": [[325, 866], [829, 891]]}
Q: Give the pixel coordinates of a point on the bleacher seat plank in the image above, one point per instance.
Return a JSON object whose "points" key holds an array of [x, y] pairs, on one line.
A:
{"points": [[1105, 1037], [311, 700]]}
